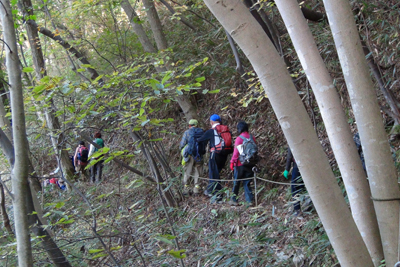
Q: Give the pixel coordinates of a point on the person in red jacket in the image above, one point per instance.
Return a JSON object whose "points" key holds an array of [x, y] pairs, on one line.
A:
{"points": [[241, 171]]}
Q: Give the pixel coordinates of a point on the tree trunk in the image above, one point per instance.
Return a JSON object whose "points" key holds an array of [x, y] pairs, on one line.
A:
{"points": [[138, 28], [57, 137], [20, 170], [378, 159], [338, 130], [311, 159], [155, 24]]}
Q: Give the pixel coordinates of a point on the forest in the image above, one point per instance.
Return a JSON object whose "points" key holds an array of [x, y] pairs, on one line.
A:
{"points": [[224, 133]]}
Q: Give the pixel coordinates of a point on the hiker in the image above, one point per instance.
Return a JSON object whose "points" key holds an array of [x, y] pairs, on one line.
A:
{"points": [[55, 181], [357, 141], [192, 153], [243, 160], [296, 178], [96, 169], [81, 158], [220, 140]]}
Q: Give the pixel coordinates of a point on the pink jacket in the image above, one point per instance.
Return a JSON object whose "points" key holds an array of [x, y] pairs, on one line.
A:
{"points": [[239, 141]]}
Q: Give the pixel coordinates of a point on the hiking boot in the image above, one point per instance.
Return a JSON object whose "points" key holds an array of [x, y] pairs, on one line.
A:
{"points": [[196, 189], [206, 193], [233, 203]]}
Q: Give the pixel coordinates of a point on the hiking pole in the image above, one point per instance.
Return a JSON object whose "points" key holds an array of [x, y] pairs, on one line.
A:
{"points": [[255, 170]]}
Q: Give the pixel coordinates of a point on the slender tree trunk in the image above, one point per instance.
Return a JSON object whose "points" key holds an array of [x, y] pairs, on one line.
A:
{"points": [[53, 123], [138, 28], [338, 130], [378, 159], [314, 166], [20, 170], [155, 24]]}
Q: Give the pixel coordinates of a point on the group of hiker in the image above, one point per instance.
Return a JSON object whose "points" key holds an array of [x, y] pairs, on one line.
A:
{"points": [[219, 138], [82, 156], [245, 157]]}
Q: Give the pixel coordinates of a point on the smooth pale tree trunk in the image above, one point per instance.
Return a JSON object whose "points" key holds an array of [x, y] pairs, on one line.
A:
{"points": [[293, 118], [20, 170], [336, 125], [381, 171], [57, 137], [189, 110], [155, 24]]}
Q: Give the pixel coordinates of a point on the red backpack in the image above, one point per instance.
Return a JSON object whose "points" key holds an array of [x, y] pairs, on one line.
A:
{"points": [[225, 145]]}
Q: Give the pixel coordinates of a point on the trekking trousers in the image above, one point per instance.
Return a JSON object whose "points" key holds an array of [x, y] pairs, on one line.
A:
{"points": [[296, 179], [242, 172], [215, 166], [192, 169], [96, 171]]}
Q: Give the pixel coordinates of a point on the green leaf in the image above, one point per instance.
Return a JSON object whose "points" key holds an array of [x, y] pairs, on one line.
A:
{"points": [[214, 91], [39, 89], [80, 70], [60, 204], [100, 152], [179, 254], [28, 69], [96, 250], [137, 20], [200, 79]]}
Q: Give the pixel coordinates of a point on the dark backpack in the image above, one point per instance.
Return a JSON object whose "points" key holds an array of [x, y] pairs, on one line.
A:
{"points": [[249, 156], [196, 149], [225, 145], [83, 154]]}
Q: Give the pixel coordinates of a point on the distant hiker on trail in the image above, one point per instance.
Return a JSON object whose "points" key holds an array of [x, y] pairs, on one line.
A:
{"points": [[243, 160], [296, 178], [55, 181], [220, 147], [96, 169], [357, 141], [81, 158], [192, 153]]}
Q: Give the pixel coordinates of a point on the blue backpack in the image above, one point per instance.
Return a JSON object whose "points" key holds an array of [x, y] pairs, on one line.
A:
{"points": [[194, 148]]}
